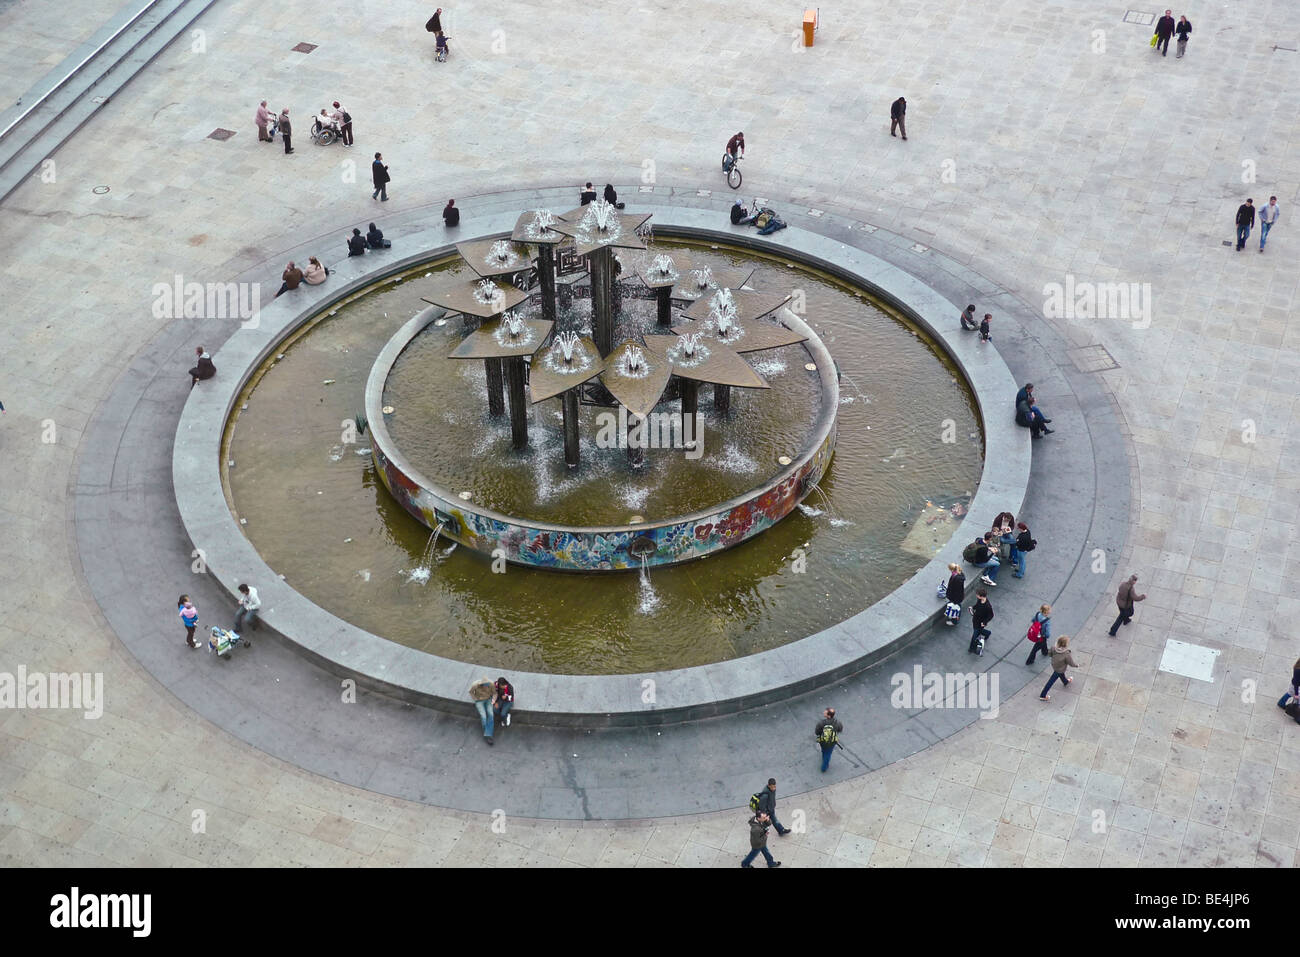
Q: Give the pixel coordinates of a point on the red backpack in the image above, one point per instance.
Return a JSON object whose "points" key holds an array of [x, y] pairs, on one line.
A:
{"points": [[1035, 631]]}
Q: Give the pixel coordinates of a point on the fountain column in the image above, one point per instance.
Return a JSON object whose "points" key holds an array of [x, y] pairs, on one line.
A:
{"points": [[664, 297], [690, 397], [601, 306], [518, 403], [546, 279], [721, 398], [496, 387], [636, 450], [570, 400]]}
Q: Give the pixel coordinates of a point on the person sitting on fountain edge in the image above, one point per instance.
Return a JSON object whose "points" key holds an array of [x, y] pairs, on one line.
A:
{"points": [[1029, 415], [611, 196], [450, 214], [587, 195], [356, 243], [375, 238], [503, 699], [203, 369]]}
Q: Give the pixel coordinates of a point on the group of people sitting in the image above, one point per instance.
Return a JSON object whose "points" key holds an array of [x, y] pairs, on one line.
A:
{"points": [[293, 277], [373, 239], [762, 218]]}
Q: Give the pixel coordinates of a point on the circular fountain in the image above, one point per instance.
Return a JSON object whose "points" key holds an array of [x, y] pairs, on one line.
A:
{"points": [[337, 535]]}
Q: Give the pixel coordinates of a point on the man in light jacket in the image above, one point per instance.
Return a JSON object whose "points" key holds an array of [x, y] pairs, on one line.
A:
{"points": [[1267, 217], [1125, 600], [249, 603]]}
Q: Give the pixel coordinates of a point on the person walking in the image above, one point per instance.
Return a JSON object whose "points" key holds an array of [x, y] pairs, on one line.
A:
{"points": [[292, 277], [981, 613], [1040, 634], [1124, 600], [1164, 30], [968, 322], [1184, 30], [1267, 217], [203, 368], [758, 842], [379, 173], [1061, 659], [767, 806], [956, 592], [434, 24], [481, 692], [1245, 222], [345, 123], [249, 603], [1024, 543], [898, 117], [503, 699], [189, 618], [263, 119], [827, 734], [286, 131]]}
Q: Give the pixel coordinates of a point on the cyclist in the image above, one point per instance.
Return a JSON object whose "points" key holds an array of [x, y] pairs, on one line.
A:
{"points": [[737, 142]]}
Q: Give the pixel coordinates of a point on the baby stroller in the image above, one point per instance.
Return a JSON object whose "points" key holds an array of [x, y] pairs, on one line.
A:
{"points": [[325, 133], [442, 48], [222, 640]]}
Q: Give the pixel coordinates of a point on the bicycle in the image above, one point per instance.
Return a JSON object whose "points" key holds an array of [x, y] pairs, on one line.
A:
{"points": [[731, 166]]}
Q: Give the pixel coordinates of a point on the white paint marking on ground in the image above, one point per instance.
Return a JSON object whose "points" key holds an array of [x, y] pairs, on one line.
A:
{"points": [[1188, 660]]}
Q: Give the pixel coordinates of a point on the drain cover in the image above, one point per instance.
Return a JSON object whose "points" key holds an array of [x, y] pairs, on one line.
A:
{"points": [[100, 190], [220, 134], [304, 48]]}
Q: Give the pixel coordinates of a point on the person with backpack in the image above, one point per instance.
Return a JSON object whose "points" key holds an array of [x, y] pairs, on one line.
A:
{"points": [[1061, 659], [481, 692], [983, 553], [956, 592], [1040, 634], [764, 802], [1024, 543], [758, 842], [981, 613], [827, 734]]}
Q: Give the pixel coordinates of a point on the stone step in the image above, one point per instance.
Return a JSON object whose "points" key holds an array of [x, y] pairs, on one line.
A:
{"points": [[65, 98]]}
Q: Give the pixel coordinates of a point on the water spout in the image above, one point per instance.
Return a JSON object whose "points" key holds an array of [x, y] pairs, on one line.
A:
{"points": [[689, 343], [663, 266], [635, 358], [703, 276], [567, 342], [514, 324], [722, 310], [500, 253], [605, 215]]}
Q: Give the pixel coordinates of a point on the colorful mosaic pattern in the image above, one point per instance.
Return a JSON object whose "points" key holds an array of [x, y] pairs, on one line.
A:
{"points": [[613, 551]]}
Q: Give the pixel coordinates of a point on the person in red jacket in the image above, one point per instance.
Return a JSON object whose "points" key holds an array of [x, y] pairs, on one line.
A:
{"points": [[503, 699]]}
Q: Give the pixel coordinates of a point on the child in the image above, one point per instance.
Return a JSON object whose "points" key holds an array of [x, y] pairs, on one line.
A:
{"points": [[984, 328], [189, 617]]}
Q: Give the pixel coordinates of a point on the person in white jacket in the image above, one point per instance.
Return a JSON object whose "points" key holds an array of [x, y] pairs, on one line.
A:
{"points": [[249, 603]]}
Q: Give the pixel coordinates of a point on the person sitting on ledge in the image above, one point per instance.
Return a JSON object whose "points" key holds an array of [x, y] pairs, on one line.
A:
{"points": [[375, 238], [740, 215], [356, 243], [968, 322], [315, 273], [450, 214], [1029, 415], [203, 369], [611, 196], [587, 195], [292, 277]]}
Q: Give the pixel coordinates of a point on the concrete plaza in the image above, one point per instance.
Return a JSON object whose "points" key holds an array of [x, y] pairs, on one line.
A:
{"points": [[1048, 146]]}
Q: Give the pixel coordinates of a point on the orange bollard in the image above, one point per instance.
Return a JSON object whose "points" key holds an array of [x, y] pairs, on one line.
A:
{"points": [[809, 25]]}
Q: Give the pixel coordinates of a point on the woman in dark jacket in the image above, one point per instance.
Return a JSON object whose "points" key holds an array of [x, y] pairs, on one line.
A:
{"points": [[1183, 30], [203, 369], [1294, 690], [956, 587]]}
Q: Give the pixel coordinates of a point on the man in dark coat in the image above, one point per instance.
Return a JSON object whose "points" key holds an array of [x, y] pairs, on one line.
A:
{"points": [[981, 613], [379, 173], [203, 369], [356, 244], [435, 22], [1125, 601], [767, 805], [450, 214], [758, 842], [897, 117], [286, 130], [1164, 30], [1245, 222]]}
